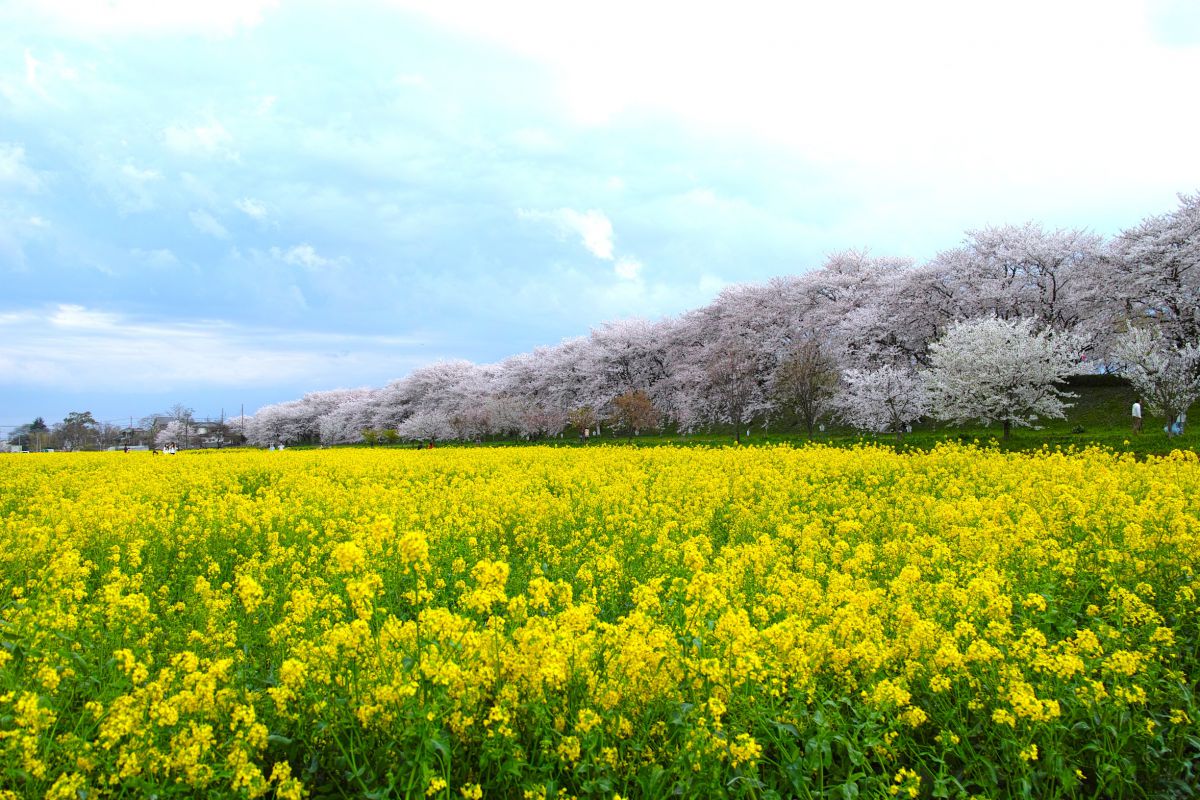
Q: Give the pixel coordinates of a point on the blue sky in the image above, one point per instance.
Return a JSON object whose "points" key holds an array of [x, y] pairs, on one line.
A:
{"points": [[233, 203]]}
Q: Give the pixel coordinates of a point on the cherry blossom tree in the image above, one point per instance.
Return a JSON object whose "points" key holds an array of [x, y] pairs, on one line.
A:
{"points": [[623, 356], [349, 420], [1024, 271], [299, 420], [885, 399], [845, 309], [173, 432], [507, 415], [534, 421], [445, 387], [728, 361], [272, 424], [719, 367], [1155, 272], [1006, 371], [235, 428], [1166, 376], [472, 424], [426, 426]]}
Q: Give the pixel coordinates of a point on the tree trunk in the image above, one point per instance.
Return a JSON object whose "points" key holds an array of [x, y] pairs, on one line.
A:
{"points": [[1007, 428]]}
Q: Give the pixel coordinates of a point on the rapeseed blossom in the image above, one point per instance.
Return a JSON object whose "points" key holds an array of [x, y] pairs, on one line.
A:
{"points": [[542, 622]]}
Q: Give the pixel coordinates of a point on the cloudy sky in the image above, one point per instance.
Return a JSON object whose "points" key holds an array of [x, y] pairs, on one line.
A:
{"points": [[237, 201]]}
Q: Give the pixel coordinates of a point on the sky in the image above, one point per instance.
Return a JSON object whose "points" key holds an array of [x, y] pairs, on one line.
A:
{"points": [[231, 203]]}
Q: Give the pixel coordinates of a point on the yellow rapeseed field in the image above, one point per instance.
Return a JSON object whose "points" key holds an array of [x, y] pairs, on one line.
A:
{"points": [[599, 622]]}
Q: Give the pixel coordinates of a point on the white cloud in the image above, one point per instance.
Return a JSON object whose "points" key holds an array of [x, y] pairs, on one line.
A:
{"points": [[17, 228], [131, 187], [411, 80], [161, 257], [87, 18], [31, 73], [933, 95], [536, 140], [14, 171], [43, 81], [200, 188], [208, 139], [139, 175], [207, 223], [252, 208], [593, 228], [628, 269], [71, 347], [303, 255]]}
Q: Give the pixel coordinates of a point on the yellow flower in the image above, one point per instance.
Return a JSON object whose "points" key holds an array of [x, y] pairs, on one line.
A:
{"points": [[568, 749], [744, 750]]}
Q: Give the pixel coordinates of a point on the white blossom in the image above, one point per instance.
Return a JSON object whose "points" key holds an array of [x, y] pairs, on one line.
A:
{"points": [[886, 399], [1166, 376], [995, 370]]}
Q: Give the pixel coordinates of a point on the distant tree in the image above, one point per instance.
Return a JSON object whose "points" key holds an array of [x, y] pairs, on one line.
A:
{"points": [[634, 412], [732, 378], [19, 434], [472, 424], [370, 436], [1165, 375], [537, 421], [995, 370], [885, 399], [110, 435], [806, 382], [76, 427], [507, 415], [235, 428], [181, 413], [31, 435], [583, 418], [720, 361]]}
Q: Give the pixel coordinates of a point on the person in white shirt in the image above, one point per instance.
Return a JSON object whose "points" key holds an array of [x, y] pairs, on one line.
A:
{"points": [[1137, 417]]}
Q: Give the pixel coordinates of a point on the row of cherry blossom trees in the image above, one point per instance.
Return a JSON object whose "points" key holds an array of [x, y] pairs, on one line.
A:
{"points": [[984, 331]]}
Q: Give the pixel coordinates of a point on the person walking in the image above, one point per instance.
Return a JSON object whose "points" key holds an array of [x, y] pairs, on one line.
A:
{"points": [[1137, 416]]}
